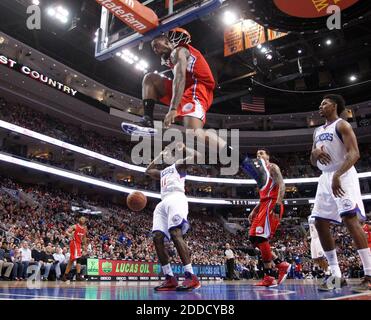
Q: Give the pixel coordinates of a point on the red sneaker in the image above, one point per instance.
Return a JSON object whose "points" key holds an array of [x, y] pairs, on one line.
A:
{"points": [[169, 284], [191, 282], [283, 270], [267, 282]]}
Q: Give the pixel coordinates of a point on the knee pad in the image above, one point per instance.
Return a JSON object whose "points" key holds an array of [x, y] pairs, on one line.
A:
{"points": [[266, 251]]}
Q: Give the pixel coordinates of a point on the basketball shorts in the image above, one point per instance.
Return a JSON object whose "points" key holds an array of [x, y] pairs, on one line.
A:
{"points": [[316, 249], [265, 223], [171, 212], [75, 250], [196, 100], [327, 207]]}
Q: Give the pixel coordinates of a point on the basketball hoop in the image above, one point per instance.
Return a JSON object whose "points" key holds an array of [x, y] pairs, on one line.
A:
{"points": [[178, 36]]}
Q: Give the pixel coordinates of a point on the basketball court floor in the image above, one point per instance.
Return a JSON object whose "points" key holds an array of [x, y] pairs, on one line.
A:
{"points": [[210, 290]]}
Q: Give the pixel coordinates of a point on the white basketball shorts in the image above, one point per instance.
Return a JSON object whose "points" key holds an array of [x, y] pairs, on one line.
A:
{"points": [[171, 212], [326, 206]]}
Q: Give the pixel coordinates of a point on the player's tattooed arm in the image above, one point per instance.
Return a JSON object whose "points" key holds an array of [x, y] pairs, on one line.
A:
{"points": [[278, 180], [179, 58]]}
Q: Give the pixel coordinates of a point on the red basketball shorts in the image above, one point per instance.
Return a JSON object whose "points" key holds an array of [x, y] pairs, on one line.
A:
{"points": [[196, 100], [265, 224], [75, 250]]}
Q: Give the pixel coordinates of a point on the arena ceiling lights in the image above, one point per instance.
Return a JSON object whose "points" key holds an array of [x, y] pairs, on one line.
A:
{"points": [[95, 155], [59, 13], [132, 59]]}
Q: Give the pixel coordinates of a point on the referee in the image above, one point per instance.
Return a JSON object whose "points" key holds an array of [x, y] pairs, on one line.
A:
{"points": [[229, 257]]}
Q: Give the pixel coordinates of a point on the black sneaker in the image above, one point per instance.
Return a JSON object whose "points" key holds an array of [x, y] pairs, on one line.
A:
{"points": [[145, 122], [65, 278], [256, 169], [364, 286], [79, 278], [328, 285]]}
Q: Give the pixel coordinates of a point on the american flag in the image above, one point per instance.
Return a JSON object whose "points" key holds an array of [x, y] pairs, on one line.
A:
{"points": [[253, 104]]}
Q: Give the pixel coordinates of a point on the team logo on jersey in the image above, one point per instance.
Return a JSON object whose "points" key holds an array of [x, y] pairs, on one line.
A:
{"points": [[325, 137], [167, 171], [187, 107], [259, 230], [177, 219], [347, 204]]}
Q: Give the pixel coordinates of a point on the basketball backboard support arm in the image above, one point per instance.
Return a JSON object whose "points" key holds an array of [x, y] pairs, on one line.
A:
{"points": [[106, 48]]}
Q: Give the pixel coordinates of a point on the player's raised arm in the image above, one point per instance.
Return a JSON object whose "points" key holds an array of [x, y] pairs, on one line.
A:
{"points": [[152, 171], [191, 154], [179, 58]]}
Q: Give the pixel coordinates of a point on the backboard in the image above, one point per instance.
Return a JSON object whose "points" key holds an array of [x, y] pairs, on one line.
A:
{"points": [[162, 15]]}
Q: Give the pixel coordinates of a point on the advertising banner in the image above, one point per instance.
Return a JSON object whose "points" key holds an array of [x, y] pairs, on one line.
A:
{"points": [[103, 269]]}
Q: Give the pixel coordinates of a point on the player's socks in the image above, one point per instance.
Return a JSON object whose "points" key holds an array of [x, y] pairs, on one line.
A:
{"points": [[166, 269], [149, 106], [332, 259], [188, 268], [365, 255]]}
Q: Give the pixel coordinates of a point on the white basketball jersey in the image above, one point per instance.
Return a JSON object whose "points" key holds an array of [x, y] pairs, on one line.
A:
{"points": [[171, 181], [328, 138], [312, 228]]}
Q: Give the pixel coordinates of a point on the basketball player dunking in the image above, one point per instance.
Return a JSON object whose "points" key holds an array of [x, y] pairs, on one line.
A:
{"points": [[266, 216], [78, 247], [189, 94], [338, 198], [170, 219]]}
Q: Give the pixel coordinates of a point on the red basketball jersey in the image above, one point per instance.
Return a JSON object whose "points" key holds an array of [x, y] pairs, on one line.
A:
{"points": [[367, 230], [79, 234], [198, 70], [270, 191]]}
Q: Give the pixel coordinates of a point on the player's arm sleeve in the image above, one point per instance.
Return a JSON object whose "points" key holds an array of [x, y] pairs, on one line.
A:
{"points": [[350, 142], [180, 60]]}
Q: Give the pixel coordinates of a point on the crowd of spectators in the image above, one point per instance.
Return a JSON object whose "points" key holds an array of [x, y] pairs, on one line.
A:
{"points": [[33, 221]]}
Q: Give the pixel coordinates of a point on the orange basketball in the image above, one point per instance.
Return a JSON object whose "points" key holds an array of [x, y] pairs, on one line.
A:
{"points": [[136, 201]]}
